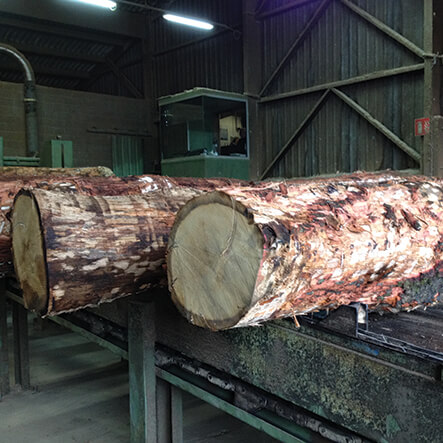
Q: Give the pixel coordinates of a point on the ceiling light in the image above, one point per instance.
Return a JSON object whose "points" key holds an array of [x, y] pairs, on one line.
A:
{"points": [[188, 21], [103, 3]]}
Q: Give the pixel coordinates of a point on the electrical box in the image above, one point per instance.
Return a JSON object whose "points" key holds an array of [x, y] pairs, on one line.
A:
{"points": [[57, 154], [204, 133]]}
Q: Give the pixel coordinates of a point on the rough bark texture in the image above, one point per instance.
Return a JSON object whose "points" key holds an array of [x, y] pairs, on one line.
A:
{"points": [[89, 182], [98, 248], [12, 179], [26, 171], [375, 239]]}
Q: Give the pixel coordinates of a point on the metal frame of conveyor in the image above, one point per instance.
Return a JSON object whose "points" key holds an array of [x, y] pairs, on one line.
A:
{"points": [[331, 379]]}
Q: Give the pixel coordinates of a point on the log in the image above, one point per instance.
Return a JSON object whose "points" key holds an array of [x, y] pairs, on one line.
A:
{"points": [[248, 255], [87, 183], [72, 250], [25, 171], [12, 179]]}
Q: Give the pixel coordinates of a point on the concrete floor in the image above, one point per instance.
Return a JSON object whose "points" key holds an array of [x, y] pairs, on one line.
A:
{"points": [[80, 394]]}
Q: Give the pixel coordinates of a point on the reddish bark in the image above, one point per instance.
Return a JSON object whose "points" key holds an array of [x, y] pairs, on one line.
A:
{"points": [[375, 239], [88, 184], [96, 248]]}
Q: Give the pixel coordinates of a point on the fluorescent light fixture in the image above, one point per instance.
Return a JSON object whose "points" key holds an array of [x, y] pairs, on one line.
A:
{"points": [[188, 21], [103, 3]]}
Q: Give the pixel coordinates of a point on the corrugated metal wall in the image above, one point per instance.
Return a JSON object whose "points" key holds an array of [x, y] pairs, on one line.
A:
{"points": [[185, 58], [341, 45], [127, 155]]}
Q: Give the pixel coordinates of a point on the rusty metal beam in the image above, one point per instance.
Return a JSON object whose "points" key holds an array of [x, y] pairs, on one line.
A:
{"points": [[346, 82], [377, 124], [298, 132], [300, 38], [403, 41]]}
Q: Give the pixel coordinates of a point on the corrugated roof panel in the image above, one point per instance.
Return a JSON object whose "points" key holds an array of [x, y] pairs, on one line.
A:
{"points": [[19, 36], [65, 61]]}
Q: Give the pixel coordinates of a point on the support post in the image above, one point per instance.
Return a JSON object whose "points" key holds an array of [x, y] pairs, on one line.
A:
{"points": [[252, 80], [433, 44], [436, 142], [176, 415], [169, 413], [21, 345], [142, 379], [150, 95], [156, 411], [4, 360], [164, 429]]}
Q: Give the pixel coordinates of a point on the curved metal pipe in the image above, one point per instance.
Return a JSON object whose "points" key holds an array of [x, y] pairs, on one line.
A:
{"points": [[29, 98], [21, 58]]}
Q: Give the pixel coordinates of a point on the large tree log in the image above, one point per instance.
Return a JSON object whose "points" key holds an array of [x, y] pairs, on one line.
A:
{"points": [[74, 250], [87, 183], [26, 171], [12, 179], [249, 255]]}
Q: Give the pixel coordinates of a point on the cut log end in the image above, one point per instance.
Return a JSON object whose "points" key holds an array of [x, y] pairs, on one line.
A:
{"points": [[214, 254], [28, 251]]}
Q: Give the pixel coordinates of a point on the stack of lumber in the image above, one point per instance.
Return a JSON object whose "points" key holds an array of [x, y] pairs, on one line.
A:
{"points": [[238, 253]]}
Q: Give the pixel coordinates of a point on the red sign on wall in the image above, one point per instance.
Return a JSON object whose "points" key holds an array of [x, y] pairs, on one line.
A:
{"points": [[422, 126]]}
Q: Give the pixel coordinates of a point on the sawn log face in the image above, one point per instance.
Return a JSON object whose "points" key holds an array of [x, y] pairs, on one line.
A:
{"points": [[367, 238]]}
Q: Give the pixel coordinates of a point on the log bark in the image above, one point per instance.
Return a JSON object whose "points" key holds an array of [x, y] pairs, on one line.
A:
{"points": [[247, 255], [12, 179], [88, 183], [72, 250], [25, 171]]}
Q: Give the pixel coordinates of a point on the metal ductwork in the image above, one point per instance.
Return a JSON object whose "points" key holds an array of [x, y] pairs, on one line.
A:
{"points": [[29, 99]]}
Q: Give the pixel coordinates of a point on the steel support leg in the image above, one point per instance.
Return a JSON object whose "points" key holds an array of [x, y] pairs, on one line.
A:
{"points": [[21, 345], [169, 413], [142, 380], [164, 429], [176, 415], [4, 359]]}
